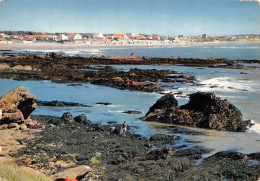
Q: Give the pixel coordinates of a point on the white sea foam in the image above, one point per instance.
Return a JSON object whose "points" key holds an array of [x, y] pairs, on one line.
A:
{"points": [[116, 111], [86, 51], [43, 51], [255, 127], [238, 47], [227, 84]]}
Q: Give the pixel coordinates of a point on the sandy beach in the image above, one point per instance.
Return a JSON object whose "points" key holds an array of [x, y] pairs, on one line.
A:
{"points": [[117, 44]]}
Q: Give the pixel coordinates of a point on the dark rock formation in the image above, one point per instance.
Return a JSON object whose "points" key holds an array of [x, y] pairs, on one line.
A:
{"points": [[160, 153], [204, 110], [60, 104], [80, 118], [164, 102], [104, 103], [132, 112], [163, 137], [67, 117]]}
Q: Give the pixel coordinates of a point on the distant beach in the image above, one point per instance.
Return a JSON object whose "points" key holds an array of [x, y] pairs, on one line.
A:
{"points": [[119, 44]]}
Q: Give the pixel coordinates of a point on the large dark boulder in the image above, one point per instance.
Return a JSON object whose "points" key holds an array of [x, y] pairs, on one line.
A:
{"points": [[80, 118], [67, 117], [204, 110], [166, 101]]}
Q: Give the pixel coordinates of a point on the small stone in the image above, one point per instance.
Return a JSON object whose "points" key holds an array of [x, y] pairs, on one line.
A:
{"points": [[23, 127], [13, 126], [4, 126]]}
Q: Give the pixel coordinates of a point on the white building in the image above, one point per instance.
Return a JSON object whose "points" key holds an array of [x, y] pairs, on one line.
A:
{"points": [[64, 37], [132, 34], [74, 37], [97, 36]]}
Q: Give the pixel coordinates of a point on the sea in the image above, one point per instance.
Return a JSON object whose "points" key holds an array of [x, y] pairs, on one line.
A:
{"points": [[240, 86]]}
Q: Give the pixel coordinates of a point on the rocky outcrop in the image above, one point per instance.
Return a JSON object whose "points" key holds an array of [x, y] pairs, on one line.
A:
{"points": [[104, 103], [60, 104], [167, 101], [132, 112], [163, 137], [17, 106], [82, 118], [204, 110], [67, 117]]}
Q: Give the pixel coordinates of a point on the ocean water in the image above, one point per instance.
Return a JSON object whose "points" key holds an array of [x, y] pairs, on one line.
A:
{"points": [[233, 50], [240, 87]]}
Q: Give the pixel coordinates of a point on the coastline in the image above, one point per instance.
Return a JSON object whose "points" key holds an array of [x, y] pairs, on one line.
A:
{"points": [[74, 45], [111, 155]]}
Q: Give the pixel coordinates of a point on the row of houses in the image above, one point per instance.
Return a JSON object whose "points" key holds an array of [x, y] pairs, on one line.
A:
{"points": [[44, 37], [88, 36], [127, 36]]}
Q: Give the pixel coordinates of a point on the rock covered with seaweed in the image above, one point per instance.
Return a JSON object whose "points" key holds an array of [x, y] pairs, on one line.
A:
{"points": [[204, 110]]}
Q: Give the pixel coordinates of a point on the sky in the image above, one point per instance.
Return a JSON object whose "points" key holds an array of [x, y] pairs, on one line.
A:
{"points": [[165, 17]]}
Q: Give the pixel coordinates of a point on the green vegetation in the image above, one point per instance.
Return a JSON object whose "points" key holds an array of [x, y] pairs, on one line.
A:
{"points": [[12, 172], [94, 159]]}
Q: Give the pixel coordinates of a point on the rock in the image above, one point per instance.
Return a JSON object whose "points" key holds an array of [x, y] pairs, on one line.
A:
{"points": [[166, 101], [61, 163], [132, 112], [229, 155], [133, 55], [17, 105], [111, 122], [254, 156], [12, 117], [117, 129], [104, 103], [13, 126], [163, 137], [60, 104], [75, 84], [160, 153], [204, 110], [23, 127], [67, 117], [20, 68], [4, 66], [4, 126], [81, 118], [30, 122], [72, 173]]}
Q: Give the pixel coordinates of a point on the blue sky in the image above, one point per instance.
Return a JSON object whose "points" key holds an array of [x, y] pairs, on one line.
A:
{"points": [[166, 17]]}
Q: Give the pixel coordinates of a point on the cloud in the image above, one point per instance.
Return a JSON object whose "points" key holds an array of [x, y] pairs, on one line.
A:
{"points": [[252, 0]]}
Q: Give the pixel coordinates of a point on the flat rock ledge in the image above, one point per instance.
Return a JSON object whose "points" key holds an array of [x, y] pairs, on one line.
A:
{"points": [[204, 110]]}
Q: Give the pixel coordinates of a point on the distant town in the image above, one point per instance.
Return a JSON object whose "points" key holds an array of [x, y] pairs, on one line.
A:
{"points": [[21, 37]]}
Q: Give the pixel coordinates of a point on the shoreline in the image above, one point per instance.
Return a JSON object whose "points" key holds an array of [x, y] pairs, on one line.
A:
{"points": [[111, 156], [70, 45]]}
